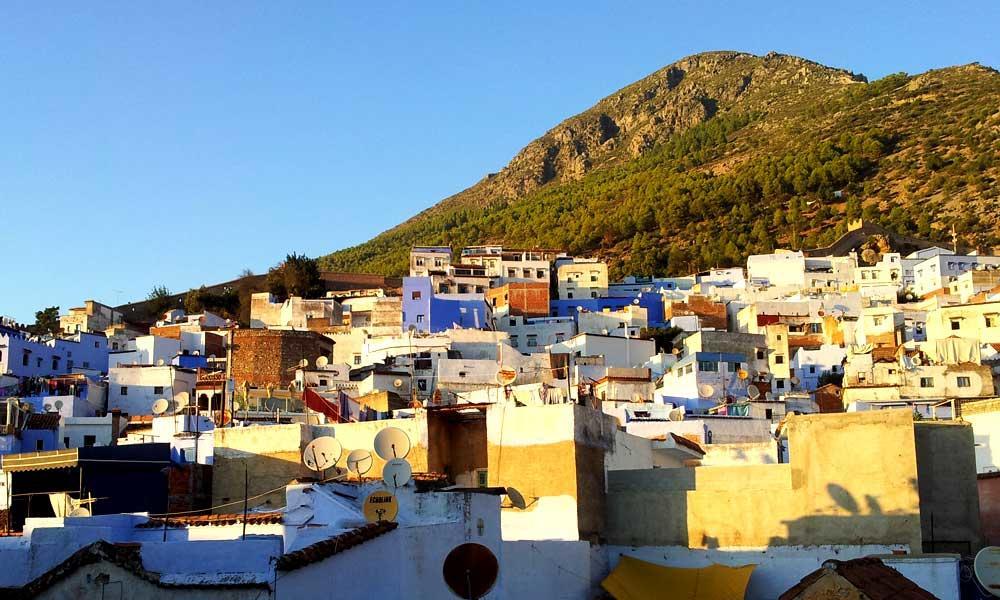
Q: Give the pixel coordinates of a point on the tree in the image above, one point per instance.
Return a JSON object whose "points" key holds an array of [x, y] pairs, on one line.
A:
{"points": [[46, 322], [194, 300], [158, 301], [297, 275]]}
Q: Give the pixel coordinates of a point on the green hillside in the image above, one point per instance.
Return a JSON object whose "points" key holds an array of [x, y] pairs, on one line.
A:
{"points": [[725, 154]]}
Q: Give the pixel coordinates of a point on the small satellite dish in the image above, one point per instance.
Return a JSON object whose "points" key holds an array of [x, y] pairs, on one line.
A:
{"points": [[769, 397], [181, 400], [506, 376], [516, 499], [322, 453], [304, 363], [635, 301], [381, 505], [742, 374], [79, 512], [322, 362], [47, 407], [753, 392], [391, 443], [471, 570], [396, 473], [161, 406], [795, 380], [58, 404], [987, 569], [159, 362], [197, 353], [705, 390], [360, 461], [579, 309], [916, 361], [397, 383], [676, 414]]}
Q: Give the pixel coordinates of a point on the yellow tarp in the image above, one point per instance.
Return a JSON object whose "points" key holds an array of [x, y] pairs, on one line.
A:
{"points": [[635, 579]]}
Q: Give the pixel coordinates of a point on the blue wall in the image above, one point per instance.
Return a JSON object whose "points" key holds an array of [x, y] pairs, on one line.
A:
{"points": [[653, 303], [432, 313]]}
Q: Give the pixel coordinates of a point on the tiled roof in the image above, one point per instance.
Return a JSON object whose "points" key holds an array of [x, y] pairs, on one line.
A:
{"points": [[267, 518], [126, 556], [869, 575], [327, 548], [43, 421]]}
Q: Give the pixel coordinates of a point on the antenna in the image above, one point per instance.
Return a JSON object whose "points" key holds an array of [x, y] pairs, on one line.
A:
{"points": [[381, 505], [705, 390], [322, 362], [161, 406], [391, 443], [987, 568], [516, 499], [359, 462], [396, 473], [471, 570], [753, 392], [322, 453]]}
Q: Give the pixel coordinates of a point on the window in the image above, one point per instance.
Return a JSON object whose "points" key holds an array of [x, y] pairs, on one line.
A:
{"points": [[956, 324], [593, 294], [707, 366], [420, 318], [760, 354], [86, 364], [157, 389], [964, 382], [420, 261], [461, 373], [926, 382], [993, 320], [415, 295], [123, 390], [89, 440], [779, 359], [482, 480], [437, 262], [66, 442], [422, 385], [324, 382], [511, 273], [55, 363], [815, 328], [780, 384], [527, 273], [532, 341], [38, 362], [513, 341], [768, 413], [512, 322], [568, 295], [97, 344], [734, 367], [812, 369], [778, 337], [39, 445], [540, 274], [559, 338], [357, 359], [688, 369]]}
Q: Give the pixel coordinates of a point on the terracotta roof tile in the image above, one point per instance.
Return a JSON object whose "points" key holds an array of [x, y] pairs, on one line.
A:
{"points": [[327, 548], [268, 518], [869, 575]]}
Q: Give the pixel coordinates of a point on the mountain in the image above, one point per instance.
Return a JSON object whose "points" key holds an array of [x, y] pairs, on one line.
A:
{"points": [[724, 154]]}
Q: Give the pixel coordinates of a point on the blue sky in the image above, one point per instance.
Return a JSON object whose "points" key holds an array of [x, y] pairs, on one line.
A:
{"points": [[179, 143]]}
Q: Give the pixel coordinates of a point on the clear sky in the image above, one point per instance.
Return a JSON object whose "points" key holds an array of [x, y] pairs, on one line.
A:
{"points": [[178, 143]]}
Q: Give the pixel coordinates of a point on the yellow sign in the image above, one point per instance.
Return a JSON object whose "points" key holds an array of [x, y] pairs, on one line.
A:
{"points": [[381, 506]]}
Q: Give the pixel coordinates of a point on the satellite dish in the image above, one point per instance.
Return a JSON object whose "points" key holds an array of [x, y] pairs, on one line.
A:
{"points": [[516, 499], [753, 392], [916, 361], [47, 407], [391, 443], [396, 473], [79, 512], [987, 569], [397, 383], [161, 406], [236, 406], [58, 404], [742, 374], [181, 401], [304, 363], [322, 453], [795, 380], [506, 376], [769, 397], [579, 309], [159, 362], [381, 505], [705, 390], [676, 414], [360, 461], [322, 362], [197, 353], [471, 570], [635, 301]]}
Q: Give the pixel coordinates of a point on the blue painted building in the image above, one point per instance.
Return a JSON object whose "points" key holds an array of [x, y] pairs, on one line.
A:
{"points": [[428, 312], [652, 302], [23, 356]]}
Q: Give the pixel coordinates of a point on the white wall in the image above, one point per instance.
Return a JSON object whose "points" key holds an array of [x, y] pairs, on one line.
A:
{"points": [[141, 383]]}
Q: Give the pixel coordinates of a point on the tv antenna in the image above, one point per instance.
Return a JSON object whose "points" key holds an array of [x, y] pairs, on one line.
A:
{"points": [[391, 443], [322, 453], [381, 505], [161, 406], [471, 570], [359, 462], [396, 473]]}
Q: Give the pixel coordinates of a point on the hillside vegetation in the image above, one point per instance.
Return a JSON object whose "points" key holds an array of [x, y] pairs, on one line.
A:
{"points": [[725, 154]]}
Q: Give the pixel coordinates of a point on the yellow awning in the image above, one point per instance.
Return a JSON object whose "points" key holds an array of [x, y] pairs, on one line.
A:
{"points": [[39, 461], [635, 579]]}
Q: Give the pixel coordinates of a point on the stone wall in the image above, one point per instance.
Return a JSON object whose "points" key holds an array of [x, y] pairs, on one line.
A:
{"points": [[263, 356]]}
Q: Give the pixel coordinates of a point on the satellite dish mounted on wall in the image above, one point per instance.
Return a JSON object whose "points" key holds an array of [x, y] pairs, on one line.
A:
{"points": [[471, 570], [516, 499], [396, 473], [161, 406], [391, 443], [322, 453]]}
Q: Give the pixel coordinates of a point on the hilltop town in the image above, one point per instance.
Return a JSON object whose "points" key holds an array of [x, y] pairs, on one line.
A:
{"points": [[514, 423]]}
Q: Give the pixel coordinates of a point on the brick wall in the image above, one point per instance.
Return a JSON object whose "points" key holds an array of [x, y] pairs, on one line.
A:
{"points": [[526, 299], [712, 314], [263, 356]]}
